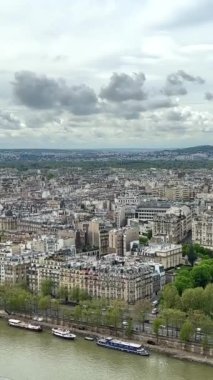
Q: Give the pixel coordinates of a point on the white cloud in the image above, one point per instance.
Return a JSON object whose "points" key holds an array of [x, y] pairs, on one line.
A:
{"points": [[84, 42]]}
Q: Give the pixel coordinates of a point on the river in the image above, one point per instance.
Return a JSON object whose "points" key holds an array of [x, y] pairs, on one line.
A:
{"points": [[25, 355]]}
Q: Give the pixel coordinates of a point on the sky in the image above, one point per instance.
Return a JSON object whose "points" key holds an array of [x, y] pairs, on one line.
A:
{"points": [[106, 74]]}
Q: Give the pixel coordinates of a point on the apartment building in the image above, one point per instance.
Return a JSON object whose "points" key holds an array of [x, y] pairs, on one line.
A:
{"points": [[120, 239], [124, 282], [14, 271], [147, 210], [168, 255], [175, 193], [7, 224], [173, 226], [96, 235], [202, 230]]}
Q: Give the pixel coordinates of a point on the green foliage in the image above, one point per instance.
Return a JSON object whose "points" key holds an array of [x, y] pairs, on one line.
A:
{"points": [[193, 299], [77, 294], [186, 331], [201, 275], [44, 302], [129, 328], [157, 323], [141, 309], [201, 252], [63, 293], [50, 176], [115, 313], [173, 317], [192, 255], [208, 300], [46, 287], [183, 281], [170, 297], [149, 234], [143, 240]]}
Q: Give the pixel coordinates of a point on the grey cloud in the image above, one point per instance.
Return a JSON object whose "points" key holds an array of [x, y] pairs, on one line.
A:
{"points": [[9, 121], [178, 115], [164, 102], [132, 109], [190, 78], [174, 86], [209, 95], [175, 83], [40, 92], [128, 109], [124, 87]]}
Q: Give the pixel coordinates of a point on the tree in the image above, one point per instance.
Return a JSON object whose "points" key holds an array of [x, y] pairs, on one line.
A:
{"points": [[170, 297], [129, 328], [63, 293], [46, 287], [77, 294], [201, 275], [115, 313], [183, 281], [193, 299], [192, 255], [77, 314], [44, 304], [141, 309], [208, 299], [149, 234], [157, 323], [50, 176], [185, 249], [143, 240], [186, 331]]}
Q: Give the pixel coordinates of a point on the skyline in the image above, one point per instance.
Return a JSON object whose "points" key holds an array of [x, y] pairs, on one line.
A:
{"points": [[112, 75]]}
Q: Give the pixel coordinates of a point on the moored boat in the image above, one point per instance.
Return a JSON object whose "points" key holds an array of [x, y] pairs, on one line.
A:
{"points": [[132, 348], [90, 338], [61, 333], [24, 325]]}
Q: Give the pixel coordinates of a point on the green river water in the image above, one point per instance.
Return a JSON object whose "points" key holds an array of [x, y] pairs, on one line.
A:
{"points": [[25, 355]]}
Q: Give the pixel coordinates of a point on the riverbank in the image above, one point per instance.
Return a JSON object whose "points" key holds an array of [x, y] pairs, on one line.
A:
{"points": [[99, 332]]}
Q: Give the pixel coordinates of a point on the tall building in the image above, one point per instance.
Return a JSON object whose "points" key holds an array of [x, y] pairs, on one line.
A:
{"points": [[173, 226], [125, 282], [202, 230], [120, 239]]}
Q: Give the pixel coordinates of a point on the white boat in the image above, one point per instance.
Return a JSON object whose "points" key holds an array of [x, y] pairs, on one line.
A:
{"points": [[90, 338], [61, 333], [24, 325]]}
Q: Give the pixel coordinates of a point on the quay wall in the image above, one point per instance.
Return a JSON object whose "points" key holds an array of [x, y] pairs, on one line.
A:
{"points": [[164, 345]]}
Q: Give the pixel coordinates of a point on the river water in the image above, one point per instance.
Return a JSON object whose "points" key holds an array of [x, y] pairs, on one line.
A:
{"points": [[25, 355]]}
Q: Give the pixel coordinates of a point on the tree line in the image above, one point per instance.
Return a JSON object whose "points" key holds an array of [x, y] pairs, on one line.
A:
{"points": [[190, 312]]}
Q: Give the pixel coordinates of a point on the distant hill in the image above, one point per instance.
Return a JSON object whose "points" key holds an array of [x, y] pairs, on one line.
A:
{"points": [[193, 149]]}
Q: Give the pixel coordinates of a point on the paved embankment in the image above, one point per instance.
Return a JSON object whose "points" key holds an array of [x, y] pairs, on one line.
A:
{"points": [[96, 332]]}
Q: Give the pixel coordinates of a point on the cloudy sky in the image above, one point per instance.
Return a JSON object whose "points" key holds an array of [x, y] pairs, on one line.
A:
{"points": [[110, 73]]}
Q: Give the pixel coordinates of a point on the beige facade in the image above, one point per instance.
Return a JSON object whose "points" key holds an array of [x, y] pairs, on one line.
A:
{"points": [[202, 230], [120, 239], [7, 224], [169, 255], [127, 284], [174, 193], [14, 272]]}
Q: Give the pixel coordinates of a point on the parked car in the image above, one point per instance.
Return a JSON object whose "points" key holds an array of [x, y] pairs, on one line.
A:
{"points": [[155, 311]]}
